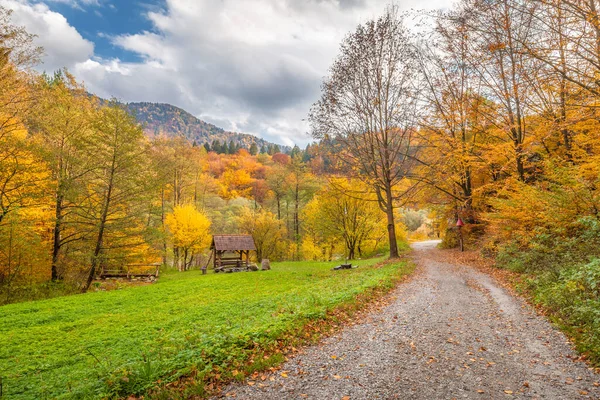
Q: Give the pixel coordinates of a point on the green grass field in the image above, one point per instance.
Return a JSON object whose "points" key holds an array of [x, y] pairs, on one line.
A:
{"points": [[111, 344]]}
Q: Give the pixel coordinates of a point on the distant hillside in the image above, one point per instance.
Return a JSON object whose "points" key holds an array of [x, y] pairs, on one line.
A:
{"points": [[161, 118]]}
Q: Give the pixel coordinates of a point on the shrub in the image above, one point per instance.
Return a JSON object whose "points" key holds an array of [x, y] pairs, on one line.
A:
{"points": [[563, 270]]}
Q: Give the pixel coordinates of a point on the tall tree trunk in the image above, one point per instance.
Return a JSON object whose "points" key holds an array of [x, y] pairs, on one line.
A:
{"points": [[391, 223], [56, 244], [278, 207], [162, 220], [102, 227], [297, 221], [176, 257]]}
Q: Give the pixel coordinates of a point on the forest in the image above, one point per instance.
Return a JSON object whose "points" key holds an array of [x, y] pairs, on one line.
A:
{"points": [[83, 188]]}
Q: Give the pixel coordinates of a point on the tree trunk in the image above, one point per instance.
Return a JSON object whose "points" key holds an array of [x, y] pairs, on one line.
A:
{"points": [[162, 220], [391, 223], [519, 160], [297, 221], [100, 238], [176, 257], [350, 252], [278, 207], [56, 236], [103, 218]]}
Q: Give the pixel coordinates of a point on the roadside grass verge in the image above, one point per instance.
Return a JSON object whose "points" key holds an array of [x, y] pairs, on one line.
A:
{"points": [[205, 329], [561, 274]]}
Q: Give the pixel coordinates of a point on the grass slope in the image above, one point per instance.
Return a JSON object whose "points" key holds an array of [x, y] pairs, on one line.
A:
{"points": [[109, 344]]}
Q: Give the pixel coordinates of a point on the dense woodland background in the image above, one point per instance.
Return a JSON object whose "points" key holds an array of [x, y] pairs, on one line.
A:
{"points": [[87, 183], [488, 113]]}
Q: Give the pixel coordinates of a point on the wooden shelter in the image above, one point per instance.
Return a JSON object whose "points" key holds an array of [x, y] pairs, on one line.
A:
{"points": [[231, 252]]}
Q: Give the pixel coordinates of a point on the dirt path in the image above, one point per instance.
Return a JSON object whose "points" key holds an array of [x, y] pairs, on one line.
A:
{"points": [[451, 332]]}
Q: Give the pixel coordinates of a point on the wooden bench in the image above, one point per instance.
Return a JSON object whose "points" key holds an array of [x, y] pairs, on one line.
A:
{"points": [[127, 273]]}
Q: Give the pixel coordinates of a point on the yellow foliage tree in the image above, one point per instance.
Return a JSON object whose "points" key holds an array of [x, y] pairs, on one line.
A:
{"points": [[190, 232], [345, 212], [266, 230], [236, 183]]}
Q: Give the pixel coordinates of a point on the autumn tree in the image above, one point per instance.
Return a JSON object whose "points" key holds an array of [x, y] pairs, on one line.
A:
{"points": [[63, 129], [368, 105], [497, 32], [118, 184], [19, 172], [277, 183], [339, 211], [235, 182], [301, 185], [266, 230], [23, 174], [453, 131], [180, 177], [190, 231]]}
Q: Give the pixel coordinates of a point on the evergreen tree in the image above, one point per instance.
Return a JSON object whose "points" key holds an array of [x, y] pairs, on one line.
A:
{"points": [[306, 155], [231, 148], [216, 146], [253, 149], [264, 149], [276, 149], [295, 151], [207, 146]]}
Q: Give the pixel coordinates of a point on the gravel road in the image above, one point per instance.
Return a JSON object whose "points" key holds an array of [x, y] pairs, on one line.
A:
{"points": [[450, 332]]}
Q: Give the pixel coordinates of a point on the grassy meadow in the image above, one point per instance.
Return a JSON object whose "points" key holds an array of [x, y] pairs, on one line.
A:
{"points": [[129, 341]]}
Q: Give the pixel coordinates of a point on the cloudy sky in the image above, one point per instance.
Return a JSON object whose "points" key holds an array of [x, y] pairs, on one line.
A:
{"points": [[251, 66]]}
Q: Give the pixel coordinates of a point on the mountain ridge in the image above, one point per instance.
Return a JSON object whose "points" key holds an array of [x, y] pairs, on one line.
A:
{"points": [[170, 120]]}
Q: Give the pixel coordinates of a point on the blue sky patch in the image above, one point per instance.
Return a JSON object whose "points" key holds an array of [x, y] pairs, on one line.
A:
{"points": [[99, 22]]}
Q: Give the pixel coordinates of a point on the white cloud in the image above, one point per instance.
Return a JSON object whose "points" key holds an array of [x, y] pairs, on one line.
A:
{"points": [[63, 45], [80, 4], [253, 66]]}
